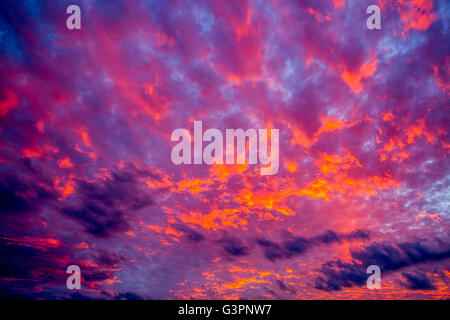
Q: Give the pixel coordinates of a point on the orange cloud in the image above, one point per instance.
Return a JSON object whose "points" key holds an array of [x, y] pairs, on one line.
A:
{"points": [[330, 124], [65, 163], [84, 136], [394, 148], [194, 186], [65, 188], [417, 130], [356, 80], [338, 4], [291, 166], [32, 152], [416, 14], [388, 116], [337, 177]]}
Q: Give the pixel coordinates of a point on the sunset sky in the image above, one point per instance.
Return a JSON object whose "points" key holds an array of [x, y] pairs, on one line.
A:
{"points": [[86, 176]]}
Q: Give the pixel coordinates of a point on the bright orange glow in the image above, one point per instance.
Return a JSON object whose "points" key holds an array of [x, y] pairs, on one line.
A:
{"points": [[243, 282], [330, 124], [335, 179], [65, 163], [416, 14], [194, 186], [356, 80], [330, 163], [338, 4], [388, 116], [418, 130], [215, 219], [291, 166], [34, 152], [65, 188], [84, 136]]}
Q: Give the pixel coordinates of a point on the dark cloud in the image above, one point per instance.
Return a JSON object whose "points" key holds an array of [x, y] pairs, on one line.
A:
{"points": [[357, 235], [418, 281], [109, 259], [96, 276], [10, 199], [79, 296], [128, 296], [394, 257], [103, 206], [298, 245], [97, 221], [338, 274], [23, 193], [285, 287], [389, 257], [189, 232], [234, 247], [35, 266], [272, 250], [25, 266], [328, 237]]}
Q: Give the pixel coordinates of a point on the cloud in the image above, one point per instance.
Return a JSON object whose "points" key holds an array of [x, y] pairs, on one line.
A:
{"points": [[285, 287], [234, 247], [23, 265], [418, 281], [298, 245], [108, 259], [128, 296], [10, 199], [104, 206], [338, 274], [389, 257], [189, 232], [330, 236], [23, 193]]}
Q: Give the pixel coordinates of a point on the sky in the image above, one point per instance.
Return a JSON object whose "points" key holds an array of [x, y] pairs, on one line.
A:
{"points": [[86, 176]]}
